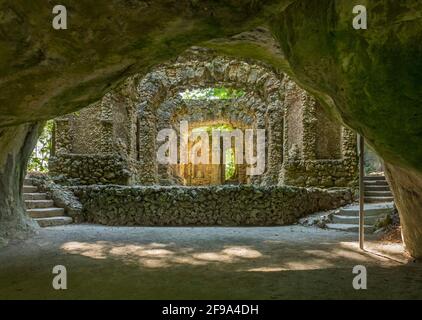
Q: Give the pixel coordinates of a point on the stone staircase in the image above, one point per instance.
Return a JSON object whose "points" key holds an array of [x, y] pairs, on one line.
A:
{"points": [[378, 205], [377, 190], [42, 209]]}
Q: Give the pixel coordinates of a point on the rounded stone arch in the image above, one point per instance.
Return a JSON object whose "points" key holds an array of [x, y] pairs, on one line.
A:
{"points": [[238, 114], [160, 88]]}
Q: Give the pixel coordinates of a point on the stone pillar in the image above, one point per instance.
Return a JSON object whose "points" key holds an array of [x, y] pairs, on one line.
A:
{"points": [[147, 146], [348, 143], [107, 145], [106, 122], [309, 127], [274, 144]]}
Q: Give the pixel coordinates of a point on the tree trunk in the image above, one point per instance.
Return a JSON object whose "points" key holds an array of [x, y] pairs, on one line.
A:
{"points": [[406, 185], [16, 145]]}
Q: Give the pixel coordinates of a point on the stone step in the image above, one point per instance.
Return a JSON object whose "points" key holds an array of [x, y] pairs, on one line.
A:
{"points": [[378, 199], [349, 227], [369, 220], [28, 182], [374, 178], [373, 209], [30, 189], [45, 212], [376, 183], [378, 193], [35, 204], [54, 221], [377, 188], [34, 196]]}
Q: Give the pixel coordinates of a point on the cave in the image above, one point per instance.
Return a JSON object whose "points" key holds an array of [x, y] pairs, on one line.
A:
{"points": [[296, 69]]}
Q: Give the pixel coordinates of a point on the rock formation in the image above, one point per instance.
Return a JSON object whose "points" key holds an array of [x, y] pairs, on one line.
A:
{"points": [[372, 78]]}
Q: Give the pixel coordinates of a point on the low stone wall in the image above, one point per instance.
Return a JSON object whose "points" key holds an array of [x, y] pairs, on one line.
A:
{"points": [[217, 205]]}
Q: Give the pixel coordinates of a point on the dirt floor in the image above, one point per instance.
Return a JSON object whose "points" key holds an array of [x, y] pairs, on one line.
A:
{"points": [[292, 262]]}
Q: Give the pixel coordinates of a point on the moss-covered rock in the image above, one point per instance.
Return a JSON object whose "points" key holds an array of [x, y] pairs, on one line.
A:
{"points": [[371, 78], [46, 72]]}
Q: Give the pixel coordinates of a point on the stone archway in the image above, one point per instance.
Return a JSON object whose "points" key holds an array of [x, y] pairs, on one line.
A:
{"points": [[157, 93]]}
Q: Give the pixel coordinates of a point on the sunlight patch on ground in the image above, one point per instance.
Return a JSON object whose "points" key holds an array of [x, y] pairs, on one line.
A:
{"points": [[91, 250], [270, 259], [158, 255], [242, 252], [390, 253], [301, 265], [267, 269]]}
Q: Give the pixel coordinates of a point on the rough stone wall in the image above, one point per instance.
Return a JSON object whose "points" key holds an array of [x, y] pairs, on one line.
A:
{"points": [[160, 104], [295, 98], [328, 138], [91, 169], [322, 173], [216, 205], [85, 131], [98, 144], [62, 135]]}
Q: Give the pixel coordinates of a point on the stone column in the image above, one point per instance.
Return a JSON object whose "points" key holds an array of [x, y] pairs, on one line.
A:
{"points": [[106, 122], [107, 143], [147, 146], [309, 128], [274, 142], [348, 143]]}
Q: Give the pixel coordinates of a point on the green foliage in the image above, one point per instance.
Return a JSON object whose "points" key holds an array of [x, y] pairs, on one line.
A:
{"points": [[212, 94], [373, 162], [41, 154], [209, 129]]}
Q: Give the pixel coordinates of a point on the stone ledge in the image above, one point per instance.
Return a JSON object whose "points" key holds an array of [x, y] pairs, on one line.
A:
{"points": [[243, 205]]}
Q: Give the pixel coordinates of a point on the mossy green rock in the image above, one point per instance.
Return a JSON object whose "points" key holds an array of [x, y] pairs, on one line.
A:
{"points": [[371, 78], [46, 72]]}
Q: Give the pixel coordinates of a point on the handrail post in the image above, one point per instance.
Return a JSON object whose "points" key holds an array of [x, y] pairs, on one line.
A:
{"points": [[361, 145]]}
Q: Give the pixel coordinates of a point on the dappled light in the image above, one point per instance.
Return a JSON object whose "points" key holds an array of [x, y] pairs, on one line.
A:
{"points": [[157, 255], [266, 256], [208, 263], [211, 149]]}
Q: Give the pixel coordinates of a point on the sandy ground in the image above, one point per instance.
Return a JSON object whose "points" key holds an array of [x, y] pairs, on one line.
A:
{"points": [[292, 262]]}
